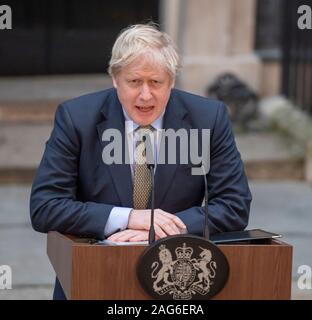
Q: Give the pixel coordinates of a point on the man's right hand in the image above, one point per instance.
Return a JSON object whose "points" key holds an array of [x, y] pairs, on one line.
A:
{"points": [[165, 223]]}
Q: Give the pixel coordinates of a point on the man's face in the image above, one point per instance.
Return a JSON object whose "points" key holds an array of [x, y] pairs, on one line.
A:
{"points": [[143, 89]]}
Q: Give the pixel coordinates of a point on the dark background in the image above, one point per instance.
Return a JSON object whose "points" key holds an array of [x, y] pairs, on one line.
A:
{"points": [[66, 36]]}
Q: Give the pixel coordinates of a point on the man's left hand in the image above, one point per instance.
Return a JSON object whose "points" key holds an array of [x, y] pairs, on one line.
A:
{"points": [[129, 235]]}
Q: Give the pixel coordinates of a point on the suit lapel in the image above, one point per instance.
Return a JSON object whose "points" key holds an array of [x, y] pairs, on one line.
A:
{"points": [[120, 173], [175, 118]]}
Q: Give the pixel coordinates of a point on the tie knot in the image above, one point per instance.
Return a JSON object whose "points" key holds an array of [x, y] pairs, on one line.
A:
{"points": [[144, 131]]}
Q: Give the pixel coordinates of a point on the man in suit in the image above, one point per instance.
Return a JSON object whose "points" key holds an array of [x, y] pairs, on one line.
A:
{"points": [[77, 191]]}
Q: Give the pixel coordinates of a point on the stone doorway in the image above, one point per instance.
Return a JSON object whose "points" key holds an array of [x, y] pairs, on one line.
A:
{"points": [[66, 36]]}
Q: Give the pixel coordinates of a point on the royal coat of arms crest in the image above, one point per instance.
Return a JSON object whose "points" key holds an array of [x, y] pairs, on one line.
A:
{"points": [[184, 268]]}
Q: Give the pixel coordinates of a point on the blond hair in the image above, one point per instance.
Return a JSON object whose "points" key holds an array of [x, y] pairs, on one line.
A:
{"points": [[146, 40]]}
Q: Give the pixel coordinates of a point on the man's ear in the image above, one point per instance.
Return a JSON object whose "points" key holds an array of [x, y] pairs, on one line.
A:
{"points": [[172, 83], [114, 82]]}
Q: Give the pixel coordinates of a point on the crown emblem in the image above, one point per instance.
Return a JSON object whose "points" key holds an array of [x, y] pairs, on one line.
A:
{"points": [[184, 252]]}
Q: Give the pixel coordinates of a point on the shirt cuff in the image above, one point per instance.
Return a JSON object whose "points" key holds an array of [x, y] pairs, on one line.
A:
{"points": [[117, 220]]}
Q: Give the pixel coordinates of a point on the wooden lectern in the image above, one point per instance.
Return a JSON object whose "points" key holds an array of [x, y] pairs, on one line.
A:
{"points": [[88, 271]]}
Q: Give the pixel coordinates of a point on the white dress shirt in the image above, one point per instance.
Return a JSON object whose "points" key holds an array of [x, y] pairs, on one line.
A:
{"points": [[119, 216]]}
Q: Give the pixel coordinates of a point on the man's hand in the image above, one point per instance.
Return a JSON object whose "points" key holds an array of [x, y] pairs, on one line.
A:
{"points": [[129, 235], [165, 223]]}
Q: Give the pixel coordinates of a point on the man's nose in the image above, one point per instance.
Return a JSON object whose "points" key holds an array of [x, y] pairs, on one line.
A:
{"points": [[145, 93]]}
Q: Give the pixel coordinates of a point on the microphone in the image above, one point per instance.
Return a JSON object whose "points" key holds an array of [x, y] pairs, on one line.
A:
{"points": [[151, 165]]}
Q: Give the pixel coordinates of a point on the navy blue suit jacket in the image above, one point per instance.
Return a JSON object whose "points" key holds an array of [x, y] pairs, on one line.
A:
{"points": [[74, 191]]}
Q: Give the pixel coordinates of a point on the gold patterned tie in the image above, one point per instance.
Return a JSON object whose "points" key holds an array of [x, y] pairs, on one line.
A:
{"points": [[142, 178]]}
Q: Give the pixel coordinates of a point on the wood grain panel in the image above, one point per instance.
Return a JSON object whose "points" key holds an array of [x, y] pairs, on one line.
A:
{"points": [[257, 271]]}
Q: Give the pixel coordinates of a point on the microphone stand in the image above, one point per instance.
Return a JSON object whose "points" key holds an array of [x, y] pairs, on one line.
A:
{"points": [[206, 227], [151, 166], [151, 234]]}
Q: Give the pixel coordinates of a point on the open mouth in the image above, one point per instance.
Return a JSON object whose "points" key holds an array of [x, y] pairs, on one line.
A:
{"points": [[145, 109]]}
